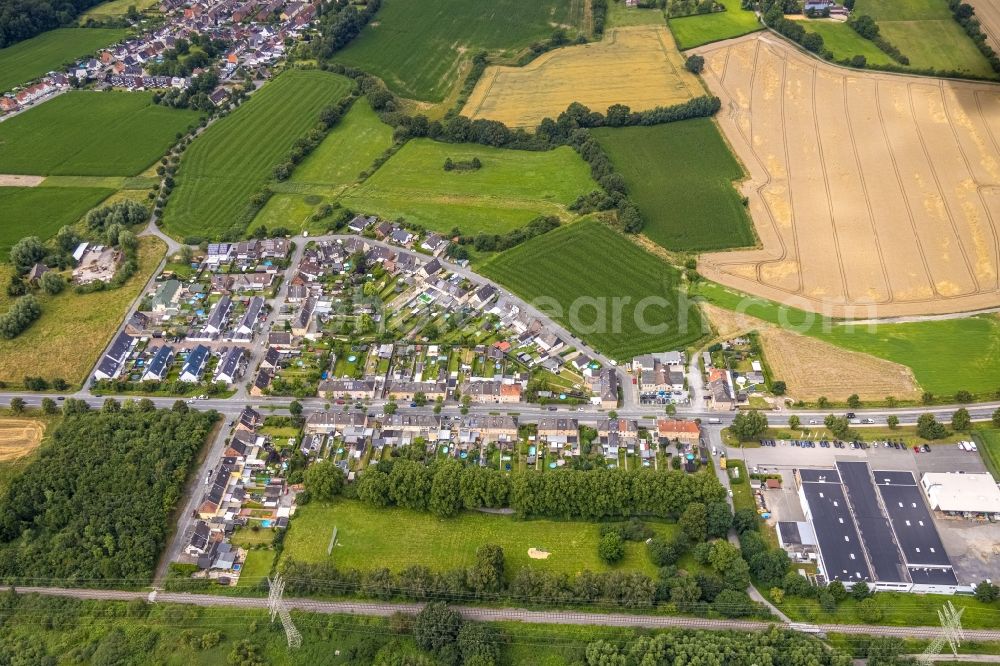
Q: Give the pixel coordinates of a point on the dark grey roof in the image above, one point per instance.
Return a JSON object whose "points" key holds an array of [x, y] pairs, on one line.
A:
{"points": [[219, 313], [839, 541], [231, 361], [196, 360], [120, 348], [161, 361], [253, 311]]}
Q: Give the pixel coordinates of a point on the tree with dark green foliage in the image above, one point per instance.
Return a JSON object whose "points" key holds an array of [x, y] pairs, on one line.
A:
{"points": [[749, 425], [611, 548], [987, 592], [929, 428], [694, 64], [17, 405], [719, 520], [324, 480], [961, 420], [436, 627]]}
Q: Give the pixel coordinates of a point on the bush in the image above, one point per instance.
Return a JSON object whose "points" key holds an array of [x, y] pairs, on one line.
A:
{"points": [[611, 548]]}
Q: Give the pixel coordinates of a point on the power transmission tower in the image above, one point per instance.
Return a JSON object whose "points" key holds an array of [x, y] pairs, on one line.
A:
{"points": [[951, 633], [276, 606]]}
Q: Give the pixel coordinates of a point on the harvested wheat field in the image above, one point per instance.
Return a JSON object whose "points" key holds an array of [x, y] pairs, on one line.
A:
{"points": [[19, 437], [812, 368], [873, 195], [638, 66]]}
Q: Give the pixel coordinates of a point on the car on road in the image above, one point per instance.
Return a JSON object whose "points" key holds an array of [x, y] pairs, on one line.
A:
{"points": [[413, 404], [851, 415], [916, 449], [927, 448], [813, 421], [62, 397], [868, 421]]}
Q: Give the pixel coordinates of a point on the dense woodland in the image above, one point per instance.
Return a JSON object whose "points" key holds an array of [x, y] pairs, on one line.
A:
{"points": [[95, 506], [23, 19]]}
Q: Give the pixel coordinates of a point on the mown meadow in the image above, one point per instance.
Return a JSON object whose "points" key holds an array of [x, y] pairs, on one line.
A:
{"points": [[84, 133], [588, 262], [691, 31], [33, 57], [510, 189], [681, 177], [235, 156]]}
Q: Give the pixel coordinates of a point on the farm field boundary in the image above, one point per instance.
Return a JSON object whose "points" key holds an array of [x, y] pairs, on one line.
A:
{"points": [[859, 218]]}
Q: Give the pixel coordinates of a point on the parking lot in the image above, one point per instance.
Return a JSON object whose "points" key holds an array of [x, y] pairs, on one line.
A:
{"points": [[972, 546]]}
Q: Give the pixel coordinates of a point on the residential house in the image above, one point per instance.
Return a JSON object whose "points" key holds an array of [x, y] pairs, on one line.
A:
{"points": [[303, 321], [218, 316], [608, 390], [194, 365], [137, 324], [673, 429], [249, 320], [615, 434], [167, 296], [261, 383], [113, 361], [250, 419], [403, 390], [231, 367], [355, 389], [159, 365]]}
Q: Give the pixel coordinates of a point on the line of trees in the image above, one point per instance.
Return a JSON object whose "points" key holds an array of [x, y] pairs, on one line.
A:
{"points": [[95, 505], [329, 116], [867, 28], [965, 14], [340, 22], [500, 242], [599, 14], [444, 488]]}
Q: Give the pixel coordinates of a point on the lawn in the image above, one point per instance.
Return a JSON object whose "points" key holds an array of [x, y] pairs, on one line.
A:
{"points": [[293, 212], [926, 33], [235, 156], [511, 188], [681, 176], [899, 609], [85, 133], [420, 47], [33, 57], [42, 211], [369, 537], [691, 31], [939, 364], [621, 16], [844, 43], [349, 149], [75, 328], [256, 568], [602, 287]]}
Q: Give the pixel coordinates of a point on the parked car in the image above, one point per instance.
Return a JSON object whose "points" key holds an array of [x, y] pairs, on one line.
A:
{"points": [[916, 449], [927, 448]]}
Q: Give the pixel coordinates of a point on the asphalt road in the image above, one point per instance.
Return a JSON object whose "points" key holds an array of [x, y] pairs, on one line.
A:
{"points": [[481, 614]]}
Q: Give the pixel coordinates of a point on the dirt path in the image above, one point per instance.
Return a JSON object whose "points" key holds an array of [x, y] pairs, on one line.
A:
{"points": [[13, 180]]}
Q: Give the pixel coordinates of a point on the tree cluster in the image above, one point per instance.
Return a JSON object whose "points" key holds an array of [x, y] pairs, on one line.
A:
{"points": [[599, 16], [446, 487], [96, 504], [195, 96], [500, 242], [677, 646], [441, 631], [21, 314], [475, 164], [774, 16], [123, 214]]}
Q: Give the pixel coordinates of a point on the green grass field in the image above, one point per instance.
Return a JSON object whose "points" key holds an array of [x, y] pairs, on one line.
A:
{"points": [[587, 263], [621, 16], [898, 609], [843, 42], [91, 134], [511, 188], [418, 47], [234, 157], [681, 176], [33, 57], [691, 31], [115, 9], [929, 348], [349, 149], [988, 442], [41, 211], [926, 33], [291, 211], [368, 537]]}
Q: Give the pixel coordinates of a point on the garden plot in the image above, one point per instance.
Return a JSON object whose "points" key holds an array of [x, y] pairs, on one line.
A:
{"points": [[872, 194]]}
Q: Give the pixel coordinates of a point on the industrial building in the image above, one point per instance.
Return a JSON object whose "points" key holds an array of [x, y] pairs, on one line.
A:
{"points": [[871, 526], [959, 494]]}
